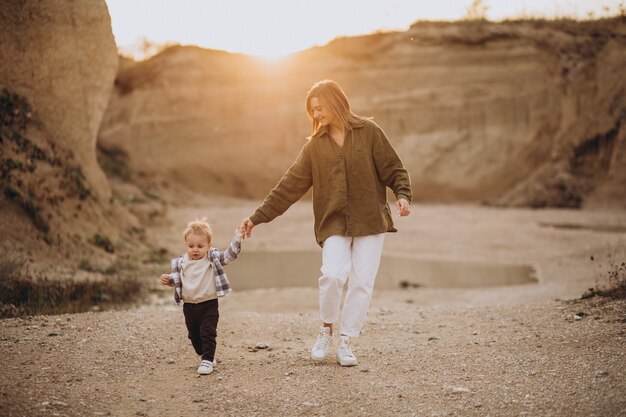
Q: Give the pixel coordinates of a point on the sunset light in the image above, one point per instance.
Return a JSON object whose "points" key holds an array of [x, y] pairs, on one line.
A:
{"points": [[276, 28], [327, 208]]}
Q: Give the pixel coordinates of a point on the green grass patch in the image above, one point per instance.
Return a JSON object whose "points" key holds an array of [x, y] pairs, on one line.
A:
{"points": [[157, 256], [85, 265], [23, 295]]}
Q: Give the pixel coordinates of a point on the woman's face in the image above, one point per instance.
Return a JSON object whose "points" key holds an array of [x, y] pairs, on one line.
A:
{"points": [[320, 113]]}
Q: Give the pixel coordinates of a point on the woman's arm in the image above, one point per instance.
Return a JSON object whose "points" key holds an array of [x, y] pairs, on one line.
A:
{"points": [[291, 187], [389, 167]]}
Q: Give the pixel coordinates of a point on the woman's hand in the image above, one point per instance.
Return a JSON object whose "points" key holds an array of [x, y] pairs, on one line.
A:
{"points": [[246, 226], [165, 279], [403, 206]]}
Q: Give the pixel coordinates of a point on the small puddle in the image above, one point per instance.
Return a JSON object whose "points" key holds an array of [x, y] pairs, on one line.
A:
{"points": [[302, 269], [602, 228]]}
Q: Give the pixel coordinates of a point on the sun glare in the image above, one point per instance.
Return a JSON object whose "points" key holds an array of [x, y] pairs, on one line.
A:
{"points": [[273, 29]]}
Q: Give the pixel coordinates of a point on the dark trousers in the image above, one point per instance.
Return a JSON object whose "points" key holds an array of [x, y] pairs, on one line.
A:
{"points": [[201, 320]]}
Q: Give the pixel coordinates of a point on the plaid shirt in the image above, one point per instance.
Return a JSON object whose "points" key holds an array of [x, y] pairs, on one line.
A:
{"points": [[218, 259]]}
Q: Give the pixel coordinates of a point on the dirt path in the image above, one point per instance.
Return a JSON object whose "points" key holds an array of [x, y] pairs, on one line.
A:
{"points": [[513, 360], [497, 351]]}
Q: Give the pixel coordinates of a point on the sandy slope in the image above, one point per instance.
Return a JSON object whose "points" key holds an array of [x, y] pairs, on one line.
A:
{"points": [[495, 351], [525, 113]]}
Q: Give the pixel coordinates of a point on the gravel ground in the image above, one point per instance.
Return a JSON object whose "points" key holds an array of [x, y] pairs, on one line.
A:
{"points": [[510, 350], [539, 359]]}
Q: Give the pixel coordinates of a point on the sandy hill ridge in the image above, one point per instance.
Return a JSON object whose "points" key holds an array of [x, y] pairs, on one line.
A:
{"points": [[514, 113]]}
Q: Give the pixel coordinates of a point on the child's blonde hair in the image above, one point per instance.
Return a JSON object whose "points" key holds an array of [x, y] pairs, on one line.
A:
{"points": [[199, 227]]}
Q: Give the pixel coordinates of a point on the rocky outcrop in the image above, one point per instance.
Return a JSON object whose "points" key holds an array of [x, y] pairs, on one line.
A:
{"points": [[59, 62], [61, 56], [514, 113]]}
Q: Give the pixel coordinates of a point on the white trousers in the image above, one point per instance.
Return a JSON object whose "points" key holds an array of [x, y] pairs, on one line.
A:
{"points": [[356, 258]]}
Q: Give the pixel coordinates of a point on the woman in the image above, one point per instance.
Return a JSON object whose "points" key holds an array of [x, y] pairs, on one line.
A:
{"points": [[349, 162]]}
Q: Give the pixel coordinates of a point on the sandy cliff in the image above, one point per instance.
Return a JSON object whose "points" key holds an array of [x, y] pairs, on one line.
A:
{"points": [[59, 62], [517, 113], [63, 60]]}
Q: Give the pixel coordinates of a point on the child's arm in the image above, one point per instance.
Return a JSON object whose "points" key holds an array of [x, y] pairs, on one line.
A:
{"points": [[173, 280], [170, 279], [234, 249]]}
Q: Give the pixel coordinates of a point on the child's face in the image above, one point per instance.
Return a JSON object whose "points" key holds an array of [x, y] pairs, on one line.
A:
{"points": [[197, 245]]}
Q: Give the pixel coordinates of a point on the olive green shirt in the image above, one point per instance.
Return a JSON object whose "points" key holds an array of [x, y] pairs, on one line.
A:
{"points": [[349, 183]]}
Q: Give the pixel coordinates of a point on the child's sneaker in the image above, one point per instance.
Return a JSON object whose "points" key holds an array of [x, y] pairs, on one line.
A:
{"points": [[205, 368], [345, 357], [320, 348]]}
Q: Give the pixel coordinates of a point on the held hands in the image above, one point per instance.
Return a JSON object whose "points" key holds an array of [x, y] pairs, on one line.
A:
{"points": [[403, 207], [240, 232], [246, 226], [165, 279]]}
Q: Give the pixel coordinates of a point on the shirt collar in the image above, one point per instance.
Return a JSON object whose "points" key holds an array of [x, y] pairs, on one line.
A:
{"points": [[324, 129]]}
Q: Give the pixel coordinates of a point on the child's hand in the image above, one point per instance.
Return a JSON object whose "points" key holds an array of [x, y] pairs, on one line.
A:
{"points": [[247, 225], [165, 279], [240, 232]]}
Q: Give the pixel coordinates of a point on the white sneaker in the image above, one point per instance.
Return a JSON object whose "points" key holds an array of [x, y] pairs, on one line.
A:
{"points": [[205, 368], [320, 348], [345, 357]]}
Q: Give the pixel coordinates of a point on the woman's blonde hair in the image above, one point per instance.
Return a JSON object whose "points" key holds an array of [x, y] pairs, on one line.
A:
{"points": [[331, 97], [199, 227]]}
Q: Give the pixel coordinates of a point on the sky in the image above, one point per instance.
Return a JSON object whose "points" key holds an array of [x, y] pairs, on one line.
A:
{"points": [[274, 28]]}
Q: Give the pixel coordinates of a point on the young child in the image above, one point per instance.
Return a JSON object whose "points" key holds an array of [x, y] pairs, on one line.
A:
{"points": [[199, 279]]}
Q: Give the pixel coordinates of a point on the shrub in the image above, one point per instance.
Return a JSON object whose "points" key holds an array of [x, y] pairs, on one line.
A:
{"points": [[74, 181], [157, 256], [85, 265], [102, 242], [612, 281], [21, 294], [15, 112]]}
